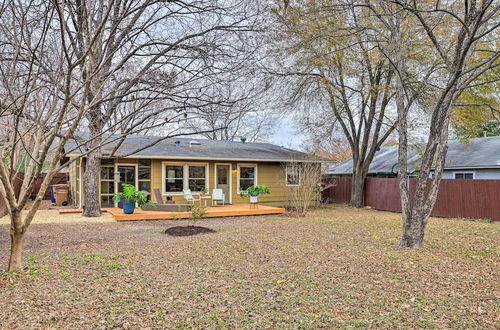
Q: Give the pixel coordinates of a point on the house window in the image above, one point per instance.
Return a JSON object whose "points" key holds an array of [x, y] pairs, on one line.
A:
{"points": [[107, 183], [464, 175], [174, 178], [144, 179], [197, 177], [247, 176], [292, 175], [178, 177]]}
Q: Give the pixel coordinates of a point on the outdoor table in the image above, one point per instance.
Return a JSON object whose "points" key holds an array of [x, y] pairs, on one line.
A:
{"points": [[205, 198]]}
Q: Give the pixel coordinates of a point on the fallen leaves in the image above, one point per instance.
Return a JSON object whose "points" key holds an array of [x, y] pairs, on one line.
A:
{"points": [[339, 267]]}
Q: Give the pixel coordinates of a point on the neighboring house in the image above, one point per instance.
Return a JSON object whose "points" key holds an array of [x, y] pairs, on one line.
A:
{"points": [[175, 164], [477, 159]]}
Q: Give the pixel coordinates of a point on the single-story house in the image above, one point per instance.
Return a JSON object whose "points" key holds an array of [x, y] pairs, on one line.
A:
{"points": [[479, 158], [174, 164]]}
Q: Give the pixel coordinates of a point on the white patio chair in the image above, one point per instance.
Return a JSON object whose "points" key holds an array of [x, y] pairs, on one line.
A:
{"points": [[188, 196], [218, 196]]}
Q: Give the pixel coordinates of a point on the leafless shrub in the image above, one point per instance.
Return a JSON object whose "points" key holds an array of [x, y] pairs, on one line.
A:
{"points": [[303, 186]]}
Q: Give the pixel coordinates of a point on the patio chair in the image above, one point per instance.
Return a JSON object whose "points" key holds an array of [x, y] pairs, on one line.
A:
{"points": [[167, 206], [159, 198], [218, 196], [188, 196]]}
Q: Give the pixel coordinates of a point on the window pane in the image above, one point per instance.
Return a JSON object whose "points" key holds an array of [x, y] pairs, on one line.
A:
{"points": [[245, 183], [247, 172], [175, 178], [145, 186], [174, 172], [107, 161], [107, 201], [247, 177], [144, 173], [107, 187], [468, 176], [144, 162], [292, 177], [222, 174], [107, 173], [197, 172], [174, 185], [127, 174], [196, 184]]}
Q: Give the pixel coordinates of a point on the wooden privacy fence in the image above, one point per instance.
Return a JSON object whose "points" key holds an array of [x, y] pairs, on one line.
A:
{"points": [[18, 181], [57, 179], [474, 199]]}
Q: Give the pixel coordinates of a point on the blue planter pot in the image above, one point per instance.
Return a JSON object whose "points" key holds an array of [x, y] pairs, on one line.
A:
{"points": [[128, 207]]}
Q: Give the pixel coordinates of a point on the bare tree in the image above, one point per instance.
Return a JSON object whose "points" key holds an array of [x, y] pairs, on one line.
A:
{"points": [[148, 49], [40, 86], [342, 82], [459, 45], [303, 185], [62, 72], [243, 110]]}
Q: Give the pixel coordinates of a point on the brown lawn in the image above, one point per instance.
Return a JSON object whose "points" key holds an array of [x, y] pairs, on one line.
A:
{"points": [[340, 267]]}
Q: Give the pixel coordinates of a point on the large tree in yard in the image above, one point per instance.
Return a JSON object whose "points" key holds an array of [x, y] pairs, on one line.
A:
{"points": [[110, 68], [41, 93], [342, 82], [438, 50], [164, 49]]}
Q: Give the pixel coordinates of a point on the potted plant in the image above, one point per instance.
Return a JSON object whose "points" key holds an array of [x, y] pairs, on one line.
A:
{"points": [[203, 191], [130, 196], [254, 192]]}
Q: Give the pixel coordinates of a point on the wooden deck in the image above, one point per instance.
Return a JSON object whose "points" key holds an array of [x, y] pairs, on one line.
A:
{"points": [[73, 211], [212, 212]]}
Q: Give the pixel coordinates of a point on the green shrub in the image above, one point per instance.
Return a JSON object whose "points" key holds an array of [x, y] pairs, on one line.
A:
{"points": [[254, 191], [132, 195], [197, 212]]}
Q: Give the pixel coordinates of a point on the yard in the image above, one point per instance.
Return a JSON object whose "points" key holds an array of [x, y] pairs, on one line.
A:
{"points": [[340, 267]]}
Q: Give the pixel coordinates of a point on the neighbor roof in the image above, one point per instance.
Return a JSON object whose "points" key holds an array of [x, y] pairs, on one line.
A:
{"points": [[477, 153], [206, 149]]}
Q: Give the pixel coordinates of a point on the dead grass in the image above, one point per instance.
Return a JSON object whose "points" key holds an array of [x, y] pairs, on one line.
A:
{"points": [[53, 216], [340, 267]]}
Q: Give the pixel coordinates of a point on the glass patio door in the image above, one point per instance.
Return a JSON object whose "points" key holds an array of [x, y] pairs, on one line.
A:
{"points": [[127, 175], [223, 181]]}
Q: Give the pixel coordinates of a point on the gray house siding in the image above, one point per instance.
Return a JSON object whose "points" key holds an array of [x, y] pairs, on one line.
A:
{"points": [[480, 156], [481, 174]]}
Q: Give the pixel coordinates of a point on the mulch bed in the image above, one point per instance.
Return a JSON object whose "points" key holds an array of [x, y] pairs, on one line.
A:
{"points": [[188, 230]]}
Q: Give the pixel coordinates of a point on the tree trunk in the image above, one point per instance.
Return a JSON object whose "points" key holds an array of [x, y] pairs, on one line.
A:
{"points": [[91, 205], [413, 229], [358, 187], [16, 250]]}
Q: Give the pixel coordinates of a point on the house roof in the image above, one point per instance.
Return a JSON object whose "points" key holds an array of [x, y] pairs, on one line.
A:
{"points": [[477, 153], [205, 149]]}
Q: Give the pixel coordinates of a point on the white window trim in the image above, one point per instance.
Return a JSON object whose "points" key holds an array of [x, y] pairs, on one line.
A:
{"points": [[185, 177], [207, 174], [230, 179], [286, 178], [247, 165], [80, 183], [464, 172]]}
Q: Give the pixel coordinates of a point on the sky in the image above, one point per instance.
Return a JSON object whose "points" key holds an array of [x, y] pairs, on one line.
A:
{"points": [[286, 135]]}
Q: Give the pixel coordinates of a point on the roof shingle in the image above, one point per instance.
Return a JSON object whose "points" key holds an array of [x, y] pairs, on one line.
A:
{"points": [[478, 153], [207, 149]]}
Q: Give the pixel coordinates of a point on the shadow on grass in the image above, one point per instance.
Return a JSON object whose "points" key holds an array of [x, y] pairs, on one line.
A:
{"points": [[188, 230]]}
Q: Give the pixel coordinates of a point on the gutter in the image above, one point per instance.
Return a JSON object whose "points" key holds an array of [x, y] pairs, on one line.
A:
{"points": [[217, 158]]}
